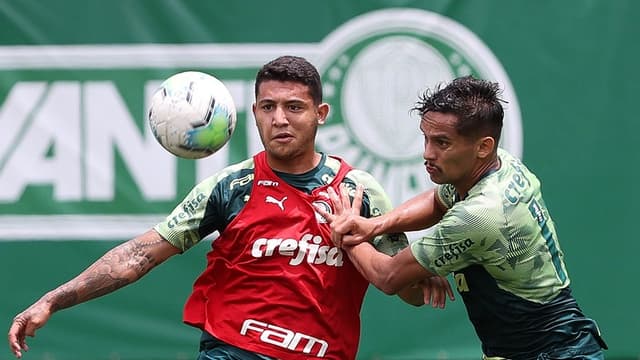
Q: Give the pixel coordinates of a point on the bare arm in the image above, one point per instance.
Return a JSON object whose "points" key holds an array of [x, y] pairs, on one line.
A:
{"points": [[422, 287], [120, 266], [349, 228], [400, 274], [389, 274], [417, 213], [430, 290]]}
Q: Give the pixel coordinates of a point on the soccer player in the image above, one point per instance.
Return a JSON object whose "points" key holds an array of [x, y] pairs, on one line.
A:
{"points": [[275, 286], [490, 227]]}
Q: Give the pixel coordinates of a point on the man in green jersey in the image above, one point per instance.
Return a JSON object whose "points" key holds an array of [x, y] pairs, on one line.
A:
{"points": [[489, 227]]}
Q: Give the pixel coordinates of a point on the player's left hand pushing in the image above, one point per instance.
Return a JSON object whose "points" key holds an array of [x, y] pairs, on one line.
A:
{"points": [[349, 229]]}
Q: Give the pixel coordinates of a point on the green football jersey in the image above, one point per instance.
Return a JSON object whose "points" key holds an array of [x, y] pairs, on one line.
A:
{"points": [[503, 224], [502, 247]]}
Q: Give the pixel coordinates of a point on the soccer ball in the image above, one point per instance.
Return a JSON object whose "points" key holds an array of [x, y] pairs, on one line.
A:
{"points": [[192, 114]]}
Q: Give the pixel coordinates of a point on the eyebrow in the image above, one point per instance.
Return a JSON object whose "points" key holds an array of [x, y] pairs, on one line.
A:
{"points": [[439, 137], [286, 102]]}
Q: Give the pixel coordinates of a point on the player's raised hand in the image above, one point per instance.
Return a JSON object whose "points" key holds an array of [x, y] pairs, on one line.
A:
{"points": [[347, 226], [25, 324]]}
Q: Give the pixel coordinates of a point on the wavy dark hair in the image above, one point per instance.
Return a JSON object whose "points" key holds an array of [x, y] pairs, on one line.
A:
{"points": [[475, 102]]}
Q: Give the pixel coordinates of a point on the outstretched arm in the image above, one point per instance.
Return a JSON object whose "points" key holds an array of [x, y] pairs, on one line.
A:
{"points": [[400, 274], [120, 266], [415, 285], [418, 213]]}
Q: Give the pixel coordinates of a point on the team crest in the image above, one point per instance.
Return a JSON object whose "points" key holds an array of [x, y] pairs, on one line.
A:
{"points": [[323, 205], [375, 68]]}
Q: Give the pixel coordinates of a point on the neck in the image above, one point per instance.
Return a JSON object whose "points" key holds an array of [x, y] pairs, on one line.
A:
{"points": [[476, 175], [297, 165]]}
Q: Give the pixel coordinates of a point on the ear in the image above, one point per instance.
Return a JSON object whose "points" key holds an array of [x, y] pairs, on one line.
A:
{"points": [[253, 110], [322, 111], [485, 146]]}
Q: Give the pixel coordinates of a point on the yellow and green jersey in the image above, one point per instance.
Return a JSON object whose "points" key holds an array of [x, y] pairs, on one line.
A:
{"points": [[502, 247]]}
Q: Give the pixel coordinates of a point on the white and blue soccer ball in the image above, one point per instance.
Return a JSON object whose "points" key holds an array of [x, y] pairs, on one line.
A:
{"points": [[192, 114]]}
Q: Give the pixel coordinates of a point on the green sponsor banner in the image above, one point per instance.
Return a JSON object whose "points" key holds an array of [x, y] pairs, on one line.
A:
{"points": [[77, 142], [80, 171]]}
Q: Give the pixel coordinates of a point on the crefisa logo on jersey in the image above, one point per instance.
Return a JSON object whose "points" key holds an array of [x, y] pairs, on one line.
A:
{"points": [[62, 122]]}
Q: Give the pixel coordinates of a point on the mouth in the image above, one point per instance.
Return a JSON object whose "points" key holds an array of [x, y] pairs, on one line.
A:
{"points": [[431, 169], [282, 137]]}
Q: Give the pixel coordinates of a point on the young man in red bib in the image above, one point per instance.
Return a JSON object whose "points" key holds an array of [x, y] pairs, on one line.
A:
{"points": [[275, 286]]}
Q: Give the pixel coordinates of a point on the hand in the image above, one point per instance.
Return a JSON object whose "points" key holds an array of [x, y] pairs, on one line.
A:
{"points": [[25, 324], [435, 290], [347, 226]]}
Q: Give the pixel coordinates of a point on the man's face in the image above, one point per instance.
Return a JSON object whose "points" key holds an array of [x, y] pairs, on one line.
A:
{"points": [[287, 119], [449, 157]]}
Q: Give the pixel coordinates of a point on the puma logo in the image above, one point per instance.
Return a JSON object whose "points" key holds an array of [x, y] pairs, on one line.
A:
{"points": [[271, 200]]}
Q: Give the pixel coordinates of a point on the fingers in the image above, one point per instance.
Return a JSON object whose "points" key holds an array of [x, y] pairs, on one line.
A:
{"points": [[344, 226], [435, 290], [426, 291], [342, 203], [336, 238], [338, 207], [449, 290], [439, 298], [357, 200], [345, 201], [16, 337]]}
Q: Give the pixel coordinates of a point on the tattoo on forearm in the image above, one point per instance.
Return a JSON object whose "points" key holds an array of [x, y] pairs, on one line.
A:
{"points": [[120, 266]]}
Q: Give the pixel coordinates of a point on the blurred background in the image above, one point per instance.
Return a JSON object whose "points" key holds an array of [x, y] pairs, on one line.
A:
{"points": [[80, 171]]}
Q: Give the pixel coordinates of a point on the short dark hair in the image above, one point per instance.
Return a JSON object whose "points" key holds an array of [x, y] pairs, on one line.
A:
{"points": [[476, 104], [292, 68]]}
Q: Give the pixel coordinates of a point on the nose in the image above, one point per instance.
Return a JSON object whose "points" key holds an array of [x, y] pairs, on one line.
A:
{"points": [[279, 117], [428, 154]]}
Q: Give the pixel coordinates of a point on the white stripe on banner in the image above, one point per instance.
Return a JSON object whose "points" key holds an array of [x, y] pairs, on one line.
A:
{"points": [[75, 227], [145, 56]]}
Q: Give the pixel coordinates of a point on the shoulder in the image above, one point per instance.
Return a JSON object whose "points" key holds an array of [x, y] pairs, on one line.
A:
{"points": [[374, 194], [480, 215], [512, 166], [354, 176], [239, 172], [236, 168], [373, 189], [479, 210], [362, 177], [446, 193]]}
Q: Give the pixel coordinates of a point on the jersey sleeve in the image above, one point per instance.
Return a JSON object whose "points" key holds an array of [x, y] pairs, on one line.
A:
{"points": [[379, 203], [208, 207], [466, 235], [182, 228]]}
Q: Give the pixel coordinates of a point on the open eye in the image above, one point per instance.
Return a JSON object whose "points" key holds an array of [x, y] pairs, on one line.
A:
{"points": [[442, 142], [295, 107]]}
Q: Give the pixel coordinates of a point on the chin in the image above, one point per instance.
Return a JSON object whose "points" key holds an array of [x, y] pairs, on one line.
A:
{"points": [[436, 181], [281, 154]]}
